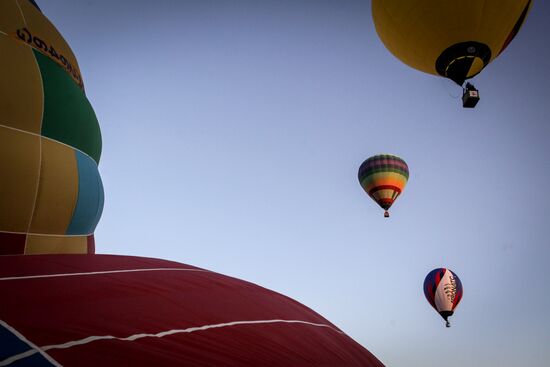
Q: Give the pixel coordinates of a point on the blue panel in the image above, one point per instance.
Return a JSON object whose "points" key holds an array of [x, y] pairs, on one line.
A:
{"points": [[89, 205], [36, 360], [101, 199], [11, 345]]}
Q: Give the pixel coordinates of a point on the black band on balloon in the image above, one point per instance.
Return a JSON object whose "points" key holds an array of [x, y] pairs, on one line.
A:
{"points": [[35, 5], [446, 314], [516, 28], [455, 62]]}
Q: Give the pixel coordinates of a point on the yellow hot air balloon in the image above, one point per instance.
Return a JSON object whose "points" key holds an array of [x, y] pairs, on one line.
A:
{"points": [[454, 39]]}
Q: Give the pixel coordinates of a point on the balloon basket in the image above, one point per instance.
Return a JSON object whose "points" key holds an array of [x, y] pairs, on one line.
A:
{"points": [[470, 96]]}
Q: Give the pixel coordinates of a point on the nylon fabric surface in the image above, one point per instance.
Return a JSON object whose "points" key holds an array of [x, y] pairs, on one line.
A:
{"points": [[78, 308], [51, 195]]}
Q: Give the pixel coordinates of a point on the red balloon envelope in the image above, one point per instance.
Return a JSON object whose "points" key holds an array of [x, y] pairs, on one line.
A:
{"points": [[104, 310]]}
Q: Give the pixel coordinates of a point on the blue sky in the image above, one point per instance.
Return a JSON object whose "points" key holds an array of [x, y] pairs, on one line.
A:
{"points": [[233, 131]]}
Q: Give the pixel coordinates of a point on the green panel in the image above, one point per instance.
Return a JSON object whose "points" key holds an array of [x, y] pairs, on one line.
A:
{"points": [[68, 115]]}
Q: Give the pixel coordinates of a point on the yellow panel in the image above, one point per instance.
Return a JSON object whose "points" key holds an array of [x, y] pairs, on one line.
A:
{"points": [[19, 167], [10, 16], [41, 34], [418, 32], [476, 67], [56, 245], [383, 194], [58, 189], [21, 93], [386, 178]]}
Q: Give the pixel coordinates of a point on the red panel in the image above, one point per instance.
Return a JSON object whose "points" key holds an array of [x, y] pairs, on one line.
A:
{"points": [[12, 243], [91, 244], [61, 309]]}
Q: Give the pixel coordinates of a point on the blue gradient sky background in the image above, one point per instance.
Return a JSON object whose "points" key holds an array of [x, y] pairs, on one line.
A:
{"points": [[233, 131]]}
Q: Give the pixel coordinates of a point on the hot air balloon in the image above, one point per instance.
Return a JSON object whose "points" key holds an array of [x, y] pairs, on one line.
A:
{"points": [[383, 177], [443, 289], [105, 310], [453, 39], [51, 194]]}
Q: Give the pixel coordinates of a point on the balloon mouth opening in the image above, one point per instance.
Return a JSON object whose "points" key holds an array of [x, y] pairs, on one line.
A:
{"points": [[463, 61], [445, 315], [385, 203]]}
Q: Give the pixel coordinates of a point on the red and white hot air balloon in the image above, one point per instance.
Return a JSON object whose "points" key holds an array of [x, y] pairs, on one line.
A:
{"points": [[443, 289]]}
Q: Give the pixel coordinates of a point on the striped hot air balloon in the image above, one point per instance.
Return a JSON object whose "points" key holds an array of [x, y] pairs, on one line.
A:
{"points": [[443, 289], [384, 177]]}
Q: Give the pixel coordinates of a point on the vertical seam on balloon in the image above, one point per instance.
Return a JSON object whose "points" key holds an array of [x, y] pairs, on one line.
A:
{"points": [[75, 204], [35, 194], [21, 11], [34, 348], [39, 154], [40, 138]]}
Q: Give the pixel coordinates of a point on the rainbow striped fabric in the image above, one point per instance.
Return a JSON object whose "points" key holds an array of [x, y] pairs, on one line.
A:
{"points": [[383, 177]]}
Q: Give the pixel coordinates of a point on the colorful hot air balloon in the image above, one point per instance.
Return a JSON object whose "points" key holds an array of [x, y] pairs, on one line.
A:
{"points": [[443, 289], [453, 39], [51, 195], [383, 177]]}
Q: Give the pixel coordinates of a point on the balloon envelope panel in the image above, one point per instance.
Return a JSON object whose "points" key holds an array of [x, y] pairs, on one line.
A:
{"points": [[100, 310]]}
